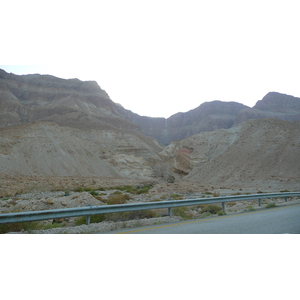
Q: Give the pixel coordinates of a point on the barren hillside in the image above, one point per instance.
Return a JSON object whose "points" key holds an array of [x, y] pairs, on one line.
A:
{"points": [[45, 149], [264, 152]]}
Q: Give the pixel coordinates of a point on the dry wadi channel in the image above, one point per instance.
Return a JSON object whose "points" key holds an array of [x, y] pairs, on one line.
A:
{"points": [[107, 196]]}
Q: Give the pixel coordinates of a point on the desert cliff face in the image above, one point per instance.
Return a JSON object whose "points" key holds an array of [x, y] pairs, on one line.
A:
{"points": [[48, 149]]}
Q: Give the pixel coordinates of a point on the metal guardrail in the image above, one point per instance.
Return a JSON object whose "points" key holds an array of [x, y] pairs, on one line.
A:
{"points": [[88, 211]]}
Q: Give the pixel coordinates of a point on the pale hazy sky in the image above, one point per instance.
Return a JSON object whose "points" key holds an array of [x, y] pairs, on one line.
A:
{"points": [[158, 58]]}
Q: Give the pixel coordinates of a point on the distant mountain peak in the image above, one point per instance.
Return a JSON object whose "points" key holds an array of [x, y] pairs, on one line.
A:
{"points": [[277, 102]]}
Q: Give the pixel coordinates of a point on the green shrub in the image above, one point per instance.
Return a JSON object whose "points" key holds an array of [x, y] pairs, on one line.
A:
{"points": [[131, 189], [94, 193], [67, 193], [221, 213], [284, 191], [271, 205], [117, 199], [144, 190], [16, 227], [250, 208], [211, 208], [94, 219], [52, 225], [117, 193], [182, 212], [130, 215], [79, 189], [176, 197], [117, 217]]}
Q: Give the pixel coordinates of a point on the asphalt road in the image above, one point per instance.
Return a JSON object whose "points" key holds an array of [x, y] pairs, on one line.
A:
{"points": [[278, 220]]}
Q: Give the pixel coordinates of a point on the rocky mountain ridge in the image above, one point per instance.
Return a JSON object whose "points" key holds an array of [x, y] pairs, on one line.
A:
{"points": [[72, 103], [84, 105], [214, 115]]}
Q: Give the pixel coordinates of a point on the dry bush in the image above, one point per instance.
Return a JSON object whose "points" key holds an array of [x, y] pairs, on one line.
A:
{"points": [[183, 212], [117, 199], [98, 198], [230, 204], [211, 208]]}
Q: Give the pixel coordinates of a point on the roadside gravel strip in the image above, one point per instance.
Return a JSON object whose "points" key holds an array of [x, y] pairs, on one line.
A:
{"points": [[104, 226]]}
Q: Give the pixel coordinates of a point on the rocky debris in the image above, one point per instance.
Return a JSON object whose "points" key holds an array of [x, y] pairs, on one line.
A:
{"points": [[48, 200]]}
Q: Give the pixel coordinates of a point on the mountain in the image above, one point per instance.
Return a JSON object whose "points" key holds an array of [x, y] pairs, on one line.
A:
{"points": [[214, 115], [72, 103], [208, 116], [84, 105], [59, 133], [263, 152], [280, 103]]}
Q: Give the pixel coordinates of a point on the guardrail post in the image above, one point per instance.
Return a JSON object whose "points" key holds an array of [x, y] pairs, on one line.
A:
{"points": [[259, 202], [88, 218], [169, 210], [223, 206], [285, 199]]}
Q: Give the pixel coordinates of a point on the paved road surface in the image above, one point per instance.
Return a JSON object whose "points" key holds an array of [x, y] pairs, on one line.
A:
{"points": [[280, 220]]}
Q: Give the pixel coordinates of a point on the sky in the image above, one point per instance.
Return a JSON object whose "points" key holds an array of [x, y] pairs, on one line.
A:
{"points": [[158, 58]]}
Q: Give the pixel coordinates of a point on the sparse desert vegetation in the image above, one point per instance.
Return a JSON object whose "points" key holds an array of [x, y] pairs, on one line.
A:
{"points": [[118, 195]]}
